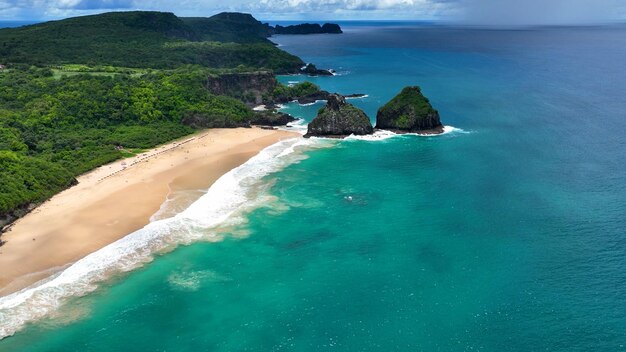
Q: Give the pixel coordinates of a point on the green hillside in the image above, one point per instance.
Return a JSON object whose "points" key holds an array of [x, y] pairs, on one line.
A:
{"points": [[229, 27], [84, 91], [143, 39], [53, 129]]}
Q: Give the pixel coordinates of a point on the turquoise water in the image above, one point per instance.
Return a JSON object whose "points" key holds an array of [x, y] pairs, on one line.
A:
{"points": [[506, 235]]}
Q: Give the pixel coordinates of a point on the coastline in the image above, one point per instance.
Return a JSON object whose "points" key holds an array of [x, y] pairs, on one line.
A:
{"points": [[118, 198]]}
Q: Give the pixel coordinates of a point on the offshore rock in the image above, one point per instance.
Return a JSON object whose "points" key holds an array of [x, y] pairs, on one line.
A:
{"points": [[409, 111], [339, 119], [312, 70]]}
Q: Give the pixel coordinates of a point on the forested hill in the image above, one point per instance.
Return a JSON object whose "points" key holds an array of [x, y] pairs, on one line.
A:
{"points": [[143, 39], [229, 27], [81, 92]]}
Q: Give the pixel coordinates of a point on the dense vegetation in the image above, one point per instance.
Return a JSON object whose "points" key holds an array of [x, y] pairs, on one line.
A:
{"points": [[54, 128], [283, 93], [147, 40], [229, 27], [81, 92]]}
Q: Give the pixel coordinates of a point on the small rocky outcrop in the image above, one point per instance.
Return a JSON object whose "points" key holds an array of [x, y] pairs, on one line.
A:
{"points": [[339, 119], [354, 96], [313, 97], [409, 111], [271, 118], [310, 98], [312, 70]]}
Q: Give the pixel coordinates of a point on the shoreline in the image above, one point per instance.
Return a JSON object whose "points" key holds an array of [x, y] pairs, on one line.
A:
{"points": [[122, 198]]}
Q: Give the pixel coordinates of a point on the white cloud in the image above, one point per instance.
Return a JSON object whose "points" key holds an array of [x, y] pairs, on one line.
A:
{"points": [[472, 11], [270, 9], [539, 12]]}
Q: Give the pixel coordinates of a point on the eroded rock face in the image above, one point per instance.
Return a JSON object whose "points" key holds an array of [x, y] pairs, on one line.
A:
{"points": [[409, 111], [339, 119], [272, 118]]}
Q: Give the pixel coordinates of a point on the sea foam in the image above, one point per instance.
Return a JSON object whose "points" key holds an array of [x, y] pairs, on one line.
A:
{"points": [[226, 200], [381, 135]]}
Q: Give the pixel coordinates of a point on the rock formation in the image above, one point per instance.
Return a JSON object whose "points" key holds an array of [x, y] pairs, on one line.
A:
{"points": [[339, 119], [409, 111], [312, 70], [271, 118]]}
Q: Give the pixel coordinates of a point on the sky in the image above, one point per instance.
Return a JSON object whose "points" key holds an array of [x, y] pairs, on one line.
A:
{"points": [[478, 12]]}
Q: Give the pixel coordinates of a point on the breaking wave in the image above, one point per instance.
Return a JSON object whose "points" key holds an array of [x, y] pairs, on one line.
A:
{"points": [[223, 206]]}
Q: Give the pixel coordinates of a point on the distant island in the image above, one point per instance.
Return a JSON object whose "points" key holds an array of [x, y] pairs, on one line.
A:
{"points": [[307, 28]]}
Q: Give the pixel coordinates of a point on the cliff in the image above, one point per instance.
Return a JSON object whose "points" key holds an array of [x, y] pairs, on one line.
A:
{"points": [[312, 70], [143, 39], [228, 27], [271, 118], [247, 87], [339, 119], [409, 111]]}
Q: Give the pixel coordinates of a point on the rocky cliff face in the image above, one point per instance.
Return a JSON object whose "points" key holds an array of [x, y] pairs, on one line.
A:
{"points": [[409, 111], [339, 119], [247, 87]]}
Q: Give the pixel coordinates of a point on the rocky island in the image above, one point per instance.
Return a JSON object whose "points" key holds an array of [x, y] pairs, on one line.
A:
{"points": [[409, 111], [339, 119], [307, 28]]}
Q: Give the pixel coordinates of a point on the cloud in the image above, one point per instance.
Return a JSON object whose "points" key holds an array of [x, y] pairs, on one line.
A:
{"points": [[540, 12], [354, 9], [96, 4], [492, 12], [52, 9], [269, 9]]}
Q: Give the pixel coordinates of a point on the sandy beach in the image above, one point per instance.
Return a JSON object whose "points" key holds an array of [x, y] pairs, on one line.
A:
{"points": [[119, 198]]}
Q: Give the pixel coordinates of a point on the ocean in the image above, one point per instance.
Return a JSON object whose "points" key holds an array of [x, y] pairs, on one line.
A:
{"points": [[505, 234], [13, 24]]}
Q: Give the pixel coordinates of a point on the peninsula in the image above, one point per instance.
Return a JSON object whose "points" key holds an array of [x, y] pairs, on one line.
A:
{"points": [[84, 103]]}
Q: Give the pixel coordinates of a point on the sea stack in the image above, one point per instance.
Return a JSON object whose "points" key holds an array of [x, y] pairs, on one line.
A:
{"points": [[339, 119], [409, 111]]}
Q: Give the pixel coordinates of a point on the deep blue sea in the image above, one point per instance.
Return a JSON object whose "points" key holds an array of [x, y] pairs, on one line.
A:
{"points": [[13, 24], [506, 234]]}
